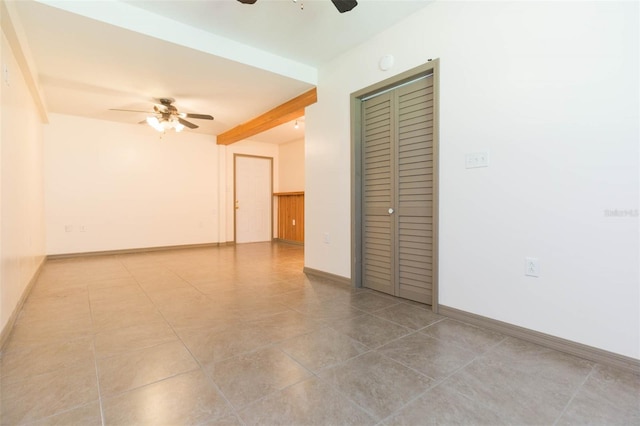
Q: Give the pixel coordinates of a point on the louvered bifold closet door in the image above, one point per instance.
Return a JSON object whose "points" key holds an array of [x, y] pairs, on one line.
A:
{"points": [[378, 194], [414, 191]]}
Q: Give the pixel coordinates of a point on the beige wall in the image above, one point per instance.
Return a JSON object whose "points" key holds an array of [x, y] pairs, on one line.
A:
{"points": [[291, 170], [22, 236], [111, 186]]}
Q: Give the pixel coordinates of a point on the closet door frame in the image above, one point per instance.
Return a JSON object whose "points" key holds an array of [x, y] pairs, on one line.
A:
{"points": [[431, 67]]}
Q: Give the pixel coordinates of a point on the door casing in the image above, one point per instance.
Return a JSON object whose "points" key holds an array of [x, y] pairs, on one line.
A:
{"points": [[431, 67]]}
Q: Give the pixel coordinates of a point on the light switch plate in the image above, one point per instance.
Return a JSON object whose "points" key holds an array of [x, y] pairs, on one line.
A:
{"points": [[476, 159]]}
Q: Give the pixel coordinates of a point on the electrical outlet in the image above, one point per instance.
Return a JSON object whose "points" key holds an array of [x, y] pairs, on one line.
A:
{"points": [[531, 267], [326, 238]]}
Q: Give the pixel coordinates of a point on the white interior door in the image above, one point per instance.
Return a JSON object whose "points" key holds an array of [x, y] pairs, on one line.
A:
{"points": [[253, 199]]}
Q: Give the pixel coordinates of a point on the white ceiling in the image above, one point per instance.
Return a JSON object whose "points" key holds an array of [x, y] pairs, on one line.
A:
{"points": [[223, 58]]}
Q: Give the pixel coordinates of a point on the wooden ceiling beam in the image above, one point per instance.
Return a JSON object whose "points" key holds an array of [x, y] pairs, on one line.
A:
{"points": [[281, 114]]}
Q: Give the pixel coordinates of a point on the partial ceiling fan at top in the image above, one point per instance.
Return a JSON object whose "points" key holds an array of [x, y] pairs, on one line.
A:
{"points": [[341, 5], [166, 116]]}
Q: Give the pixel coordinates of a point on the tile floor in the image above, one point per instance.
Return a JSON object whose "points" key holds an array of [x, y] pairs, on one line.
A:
{"points": [[239, 336]]}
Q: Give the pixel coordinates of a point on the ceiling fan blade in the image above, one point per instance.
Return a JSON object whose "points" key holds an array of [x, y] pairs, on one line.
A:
{"points": [[344, 5], [247, 1], [187, 123], [199, 116], [130, 110]]}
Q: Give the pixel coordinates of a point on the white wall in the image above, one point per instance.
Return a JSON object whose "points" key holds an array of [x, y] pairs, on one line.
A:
{"points": [[113, 186], [550, 89], [22, 244], [291, 170]]}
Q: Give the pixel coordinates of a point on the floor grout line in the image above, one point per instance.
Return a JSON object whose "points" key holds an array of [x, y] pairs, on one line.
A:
{"points": [[95, 359], [200, 366], [573, 395]]}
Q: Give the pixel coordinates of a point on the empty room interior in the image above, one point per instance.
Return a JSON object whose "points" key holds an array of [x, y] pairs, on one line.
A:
{"points": [[319, 212]]}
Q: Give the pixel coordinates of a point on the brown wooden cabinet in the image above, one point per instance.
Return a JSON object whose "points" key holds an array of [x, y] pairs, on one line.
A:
{"points": [[290, 216]]}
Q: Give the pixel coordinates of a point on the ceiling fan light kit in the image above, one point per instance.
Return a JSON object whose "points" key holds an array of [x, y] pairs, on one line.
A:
{"points": [[163, 126]]}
